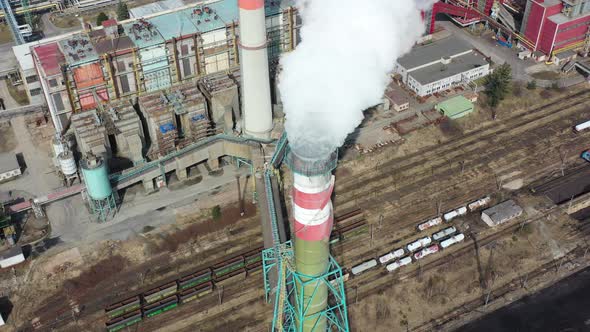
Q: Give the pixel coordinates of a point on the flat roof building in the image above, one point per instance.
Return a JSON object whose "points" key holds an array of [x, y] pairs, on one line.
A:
{"points": [[455, 107], [9, 167], [501, 213], [441, 65]]}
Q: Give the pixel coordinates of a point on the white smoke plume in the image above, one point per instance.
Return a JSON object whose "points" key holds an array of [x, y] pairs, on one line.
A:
{"points": [[341, 66]]}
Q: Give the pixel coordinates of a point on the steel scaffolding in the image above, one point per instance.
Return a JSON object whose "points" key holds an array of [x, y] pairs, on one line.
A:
{"points": [[290, 304], [102, 209], [12, 22]]}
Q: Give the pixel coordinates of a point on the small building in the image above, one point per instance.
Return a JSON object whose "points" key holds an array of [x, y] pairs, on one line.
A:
{"points": [[395, 99], [539, 56], [28, 74], [11, 257], [440, 66], [501, 213], [9, 167], [564, 57], [455, 107]]}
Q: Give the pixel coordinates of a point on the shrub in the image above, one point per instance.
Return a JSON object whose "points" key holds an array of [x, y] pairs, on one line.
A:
{"points": [[216, 212]]}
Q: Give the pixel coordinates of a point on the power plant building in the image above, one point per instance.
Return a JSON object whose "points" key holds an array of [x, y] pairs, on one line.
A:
{"points": [[440, 65], [556, 24]]}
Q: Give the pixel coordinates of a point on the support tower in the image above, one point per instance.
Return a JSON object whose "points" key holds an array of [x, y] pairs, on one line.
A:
{"points": [[101, 200]]}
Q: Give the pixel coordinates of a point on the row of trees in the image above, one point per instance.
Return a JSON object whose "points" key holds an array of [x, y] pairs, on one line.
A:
{"points": [[122, 14]]}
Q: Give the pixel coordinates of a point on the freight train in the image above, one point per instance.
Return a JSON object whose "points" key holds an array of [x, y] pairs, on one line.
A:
{"points": [[185, 289]]}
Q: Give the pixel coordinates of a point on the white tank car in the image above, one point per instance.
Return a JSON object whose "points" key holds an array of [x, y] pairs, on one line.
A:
{"points": [[452, 240], [444, 233], [363, 267], [418, 244]]}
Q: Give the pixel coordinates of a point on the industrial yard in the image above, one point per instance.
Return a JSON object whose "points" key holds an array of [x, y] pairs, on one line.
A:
{"points": [[169, 174]]}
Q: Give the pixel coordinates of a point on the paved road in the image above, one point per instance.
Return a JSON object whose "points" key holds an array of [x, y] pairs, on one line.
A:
{"points": [[489, 47], [7, 59], [71, 222]]}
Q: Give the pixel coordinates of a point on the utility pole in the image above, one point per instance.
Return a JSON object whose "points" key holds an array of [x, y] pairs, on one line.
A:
{"points": [[241, 202]]}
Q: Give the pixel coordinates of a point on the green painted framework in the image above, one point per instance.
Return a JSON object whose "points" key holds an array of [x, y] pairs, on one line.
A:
{"points": [[103, 209], [294, 306], [279, 260]]}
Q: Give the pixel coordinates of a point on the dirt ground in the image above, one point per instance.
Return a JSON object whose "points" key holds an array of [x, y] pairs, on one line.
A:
{"points": [[7, 138], [409, 303]]}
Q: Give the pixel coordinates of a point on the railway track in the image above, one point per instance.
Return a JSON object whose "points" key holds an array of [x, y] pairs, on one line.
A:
{"points": [[438, 156], [496, 293], [63, 315], [380, 280]]}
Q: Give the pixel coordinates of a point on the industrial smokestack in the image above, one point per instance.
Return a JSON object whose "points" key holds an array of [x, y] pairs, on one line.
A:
{"points": [[339, 69], [256, 105], [313, 216]]}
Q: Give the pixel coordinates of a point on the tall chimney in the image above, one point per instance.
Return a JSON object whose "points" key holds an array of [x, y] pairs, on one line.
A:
{"points": [[256, 105], [313, 184]]}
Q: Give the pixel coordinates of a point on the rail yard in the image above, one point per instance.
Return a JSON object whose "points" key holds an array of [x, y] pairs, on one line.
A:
{"points": [[379, 213], [232, 165]]}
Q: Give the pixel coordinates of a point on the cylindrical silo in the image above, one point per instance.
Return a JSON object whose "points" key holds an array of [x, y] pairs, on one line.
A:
{"points": [[313, 218], [98, 187], [67, 164], [256, 104]]}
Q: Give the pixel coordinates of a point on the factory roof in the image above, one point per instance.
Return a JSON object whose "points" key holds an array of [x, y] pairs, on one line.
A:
{"points": [[173, 25], [439, 71], [23, 56], [143, 33], [502, 212], [108, 45], [455, 107], [78, 49], [8, 162], [421, 55], [212, 16], [395, 95], [154, 8], [549, 3], [561, 18], [50, 57]]}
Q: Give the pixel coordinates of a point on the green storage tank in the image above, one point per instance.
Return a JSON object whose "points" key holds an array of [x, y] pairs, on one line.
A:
{"points": [[96, 177]]}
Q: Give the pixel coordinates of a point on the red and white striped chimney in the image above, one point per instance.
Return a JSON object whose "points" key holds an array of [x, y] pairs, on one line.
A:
{"points": [[312, 207], [256, 104]]}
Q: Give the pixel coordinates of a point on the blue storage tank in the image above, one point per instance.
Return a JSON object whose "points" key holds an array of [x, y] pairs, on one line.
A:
{"points": [[96, 177]]}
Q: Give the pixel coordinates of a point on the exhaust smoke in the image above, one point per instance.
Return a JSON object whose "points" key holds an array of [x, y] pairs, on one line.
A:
{"points": [[341, 66]]}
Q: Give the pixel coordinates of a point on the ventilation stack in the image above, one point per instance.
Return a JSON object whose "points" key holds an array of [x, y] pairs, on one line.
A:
{"points": [[101, 200], [256, 104]]}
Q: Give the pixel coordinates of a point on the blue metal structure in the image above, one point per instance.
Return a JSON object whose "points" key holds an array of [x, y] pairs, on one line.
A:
{"points": [[12, 22]]}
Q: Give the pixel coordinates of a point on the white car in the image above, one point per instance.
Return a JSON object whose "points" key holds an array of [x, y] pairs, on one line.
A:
{"points": [[452, 240], [391, 255], [444, 233], [430, 223]]}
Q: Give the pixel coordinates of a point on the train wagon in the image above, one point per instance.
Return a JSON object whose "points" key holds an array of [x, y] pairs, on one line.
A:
{"points": [[418, 244], [480, 203], [582, 126], [233, 274], [452, 240], [430, 223], [124, 321], [161, 292], [426, 251], [363, 267], [396, 265], [161, 306], [194, 279], [223, 268], [253, 257], [190, 294], [334, 280], [123, 307], [444, 233], [254, 268], [391, 255]]}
